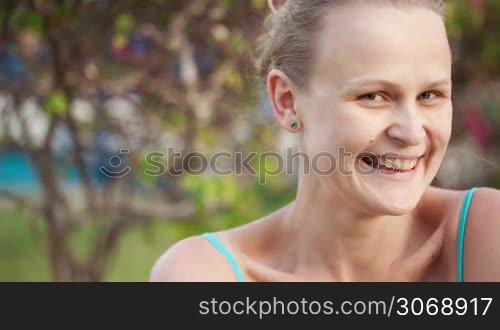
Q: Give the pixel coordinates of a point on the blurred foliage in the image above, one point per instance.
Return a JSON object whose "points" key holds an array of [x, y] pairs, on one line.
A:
{"points": [[474, 27], [23, 245]]}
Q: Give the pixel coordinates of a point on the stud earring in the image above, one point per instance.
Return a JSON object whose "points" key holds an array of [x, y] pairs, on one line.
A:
{"points": [[294, 125]]}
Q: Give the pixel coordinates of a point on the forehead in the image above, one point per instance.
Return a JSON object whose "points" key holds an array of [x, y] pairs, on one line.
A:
{"points": [[381, 42]]}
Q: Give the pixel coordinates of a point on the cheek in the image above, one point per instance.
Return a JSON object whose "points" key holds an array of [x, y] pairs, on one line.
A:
{"points": [[331, 129], [440, 126]]}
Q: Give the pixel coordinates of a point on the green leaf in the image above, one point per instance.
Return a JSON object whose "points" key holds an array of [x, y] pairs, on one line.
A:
{"points": [[259, 4], [23, 18], [233, 80], [120, 40], [124, 23], [239, 43], [491, 52], [56, 104], [463, 19], [176, 119], [62, 10], [229, 3], [208, 136]]}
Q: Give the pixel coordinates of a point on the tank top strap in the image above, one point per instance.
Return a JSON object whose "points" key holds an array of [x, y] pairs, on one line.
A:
{"points": [[219, 246], [462, 225]]}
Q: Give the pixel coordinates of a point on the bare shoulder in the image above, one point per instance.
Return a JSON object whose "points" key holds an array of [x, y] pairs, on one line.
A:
{"points": [[482, 240], [192, 259], [482, 235]]}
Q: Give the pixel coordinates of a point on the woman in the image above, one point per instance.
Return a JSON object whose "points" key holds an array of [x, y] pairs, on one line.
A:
{"points": [[369, 78]]}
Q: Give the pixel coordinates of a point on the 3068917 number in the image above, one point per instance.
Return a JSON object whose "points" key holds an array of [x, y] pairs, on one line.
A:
{"points": [[444, 306]]}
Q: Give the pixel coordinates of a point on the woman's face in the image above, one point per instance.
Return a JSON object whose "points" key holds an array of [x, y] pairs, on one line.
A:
{"points": [[380, 84]]}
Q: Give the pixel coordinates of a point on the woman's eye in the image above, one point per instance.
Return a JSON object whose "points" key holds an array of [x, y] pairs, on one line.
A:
{"points": [[428, 95], [371, 97]]}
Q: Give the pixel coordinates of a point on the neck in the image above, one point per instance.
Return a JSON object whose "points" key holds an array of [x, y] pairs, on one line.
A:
{"points": [[327, 235]]}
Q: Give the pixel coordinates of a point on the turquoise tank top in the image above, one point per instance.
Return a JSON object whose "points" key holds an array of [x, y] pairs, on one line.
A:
{"points": [[217, 244]]}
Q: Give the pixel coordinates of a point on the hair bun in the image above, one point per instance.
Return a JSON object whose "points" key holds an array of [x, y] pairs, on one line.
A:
{"points": [[276, 5]]}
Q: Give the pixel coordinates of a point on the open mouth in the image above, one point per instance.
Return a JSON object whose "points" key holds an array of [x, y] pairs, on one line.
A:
{"points": [[391, 164]]}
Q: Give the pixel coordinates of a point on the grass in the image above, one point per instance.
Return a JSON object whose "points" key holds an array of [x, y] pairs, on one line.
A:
{"points": [[23, 250]]}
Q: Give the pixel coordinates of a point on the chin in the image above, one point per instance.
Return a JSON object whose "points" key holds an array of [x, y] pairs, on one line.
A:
{"points": [[387, 204]]}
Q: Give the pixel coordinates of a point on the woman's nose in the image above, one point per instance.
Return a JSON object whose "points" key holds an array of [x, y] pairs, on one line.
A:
{"points": [[407, 126]]}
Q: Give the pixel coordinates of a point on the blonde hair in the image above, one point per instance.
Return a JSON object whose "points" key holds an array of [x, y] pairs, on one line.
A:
{"points": [[287, 42]]}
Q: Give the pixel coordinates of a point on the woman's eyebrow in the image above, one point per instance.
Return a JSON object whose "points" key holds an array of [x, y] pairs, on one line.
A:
{"points": [[359, 83], [445, 81]]}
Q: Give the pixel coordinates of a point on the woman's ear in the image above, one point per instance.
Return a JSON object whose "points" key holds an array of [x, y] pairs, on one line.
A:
{"points": [[281, 94], [275, 5]]}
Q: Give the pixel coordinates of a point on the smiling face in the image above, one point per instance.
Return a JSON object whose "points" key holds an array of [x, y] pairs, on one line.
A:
{"points": [[380, 83]]}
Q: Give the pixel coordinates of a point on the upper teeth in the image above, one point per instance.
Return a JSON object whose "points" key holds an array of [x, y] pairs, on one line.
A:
{"points": [[398, 164]]}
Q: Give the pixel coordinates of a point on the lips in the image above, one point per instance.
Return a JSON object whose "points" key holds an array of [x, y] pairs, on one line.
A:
{"points": [[391, 163]]}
